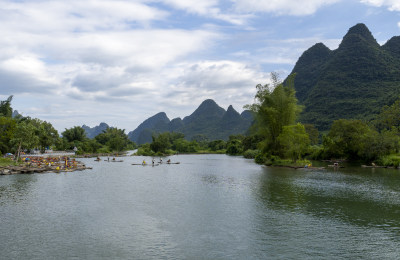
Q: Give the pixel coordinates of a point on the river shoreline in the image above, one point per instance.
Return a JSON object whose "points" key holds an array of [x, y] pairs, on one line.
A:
{"points": [[44, 165]]}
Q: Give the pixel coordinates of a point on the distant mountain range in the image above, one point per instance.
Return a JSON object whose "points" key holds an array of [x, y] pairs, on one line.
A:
{"points": [[209, 120], [354, 81]]}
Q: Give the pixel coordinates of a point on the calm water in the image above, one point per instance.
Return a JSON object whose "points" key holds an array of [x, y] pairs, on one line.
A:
{"points": [[207, 207]]}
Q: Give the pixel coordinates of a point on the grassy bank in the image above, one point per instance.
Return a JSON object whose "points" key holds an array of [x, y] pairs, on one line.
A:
{"points": [[7, 162]]}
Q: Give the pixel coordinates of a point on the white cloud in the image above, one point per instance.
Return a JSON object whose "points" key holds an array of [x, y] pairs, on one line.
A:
{"points": [[392, 5], [282, 7], [227, 82], [75, 15]]}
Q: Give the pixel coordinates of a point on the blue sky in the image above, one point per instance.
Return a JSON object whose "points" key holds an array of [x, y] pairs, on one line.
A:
{"points": [[89, 61]]}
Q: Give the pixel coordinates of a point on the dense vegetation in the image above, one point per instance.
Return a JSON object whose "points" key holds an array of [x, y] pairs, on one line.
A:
{"points": [[173, 143], [21, 134], [282, 136]]}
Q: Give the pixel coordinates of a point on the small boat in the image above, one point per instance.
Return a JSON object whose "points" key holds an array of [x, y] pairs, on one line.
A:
{"points": [[173, 162]]}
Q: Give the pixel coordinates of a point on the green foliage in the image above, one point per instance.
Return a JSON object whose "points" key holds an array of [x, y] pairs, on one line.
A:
{"points": [[234, 147], [275, 107], [392, 160], [260, 158], [103, 149], [294, 140], [45, 131], [389, 117], [313, 133], [182, 145], [145, 150], [217, 145], [7, 161], [5, 107], [161, 143], [346, 138], [92, 146], [112, 139], [354, 139], [25, 136], [7, 130], [115, 139], [251, 154], [74, 134], [251, 142]]}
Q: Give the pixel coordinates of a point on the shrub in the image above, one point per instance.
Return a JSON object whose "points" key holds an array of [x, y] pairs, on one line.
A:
{"points": [[260, 158], [250, 154]]}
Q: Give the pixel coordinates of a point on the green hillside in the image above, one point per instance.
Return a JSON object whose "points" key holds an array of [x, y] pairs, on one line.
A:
{"points": [[354, 81]]}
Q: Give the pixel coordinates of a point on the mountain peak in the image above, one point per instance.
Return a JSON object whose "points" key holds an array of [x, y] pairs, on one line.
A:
{"points": [[207, 109], [360, 29], [393, 46], [231, 110], [357, 33], [208, 102]]}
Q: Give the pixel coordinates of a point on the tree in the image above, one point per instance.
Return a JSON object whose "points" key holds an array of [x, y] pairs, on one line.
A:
{"points": [[347, 138], [217, 145], [276, 106], [75, 133], [114, 138], [389, 117], [7, 127], [294, 140], [25, 137], [160, 143], [313, 133], [5, 107], [46, 133], [234, 147]]}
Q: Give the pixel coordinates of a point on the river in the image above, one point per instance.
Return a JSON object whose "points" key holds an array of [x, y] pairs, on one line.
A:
{"points": [[206, 207]]}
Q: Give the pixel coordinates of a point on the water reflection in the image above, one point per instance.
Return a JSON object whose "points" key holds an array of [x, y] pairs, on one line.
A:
{"points": [[356, 196]]}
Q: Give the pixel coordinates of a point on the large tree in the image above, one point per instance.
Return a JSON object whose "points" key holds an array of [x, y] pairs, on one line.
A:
{"points": [[24, 137], [7, 127], [114, 138], [276, 106]]}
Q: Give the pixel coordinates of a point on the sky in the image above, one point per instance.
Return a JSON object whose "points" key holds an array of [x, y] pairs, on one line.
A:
{"points": [[76, 62]]}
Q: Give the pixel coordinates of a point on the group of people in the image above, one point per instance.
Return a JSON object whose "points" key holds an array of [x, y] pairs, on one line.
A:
{"points": [[153, 161], [58, 162]]}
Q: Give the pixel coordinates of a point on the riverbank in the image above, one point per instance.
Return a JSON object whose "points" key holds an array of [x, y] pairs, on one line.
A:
{"points": [[43, 165]]}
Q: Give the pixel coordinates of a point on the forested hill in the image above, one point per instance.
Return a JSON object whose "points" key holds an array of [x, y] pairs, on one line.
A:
{"points": [[354, 81], [208, 121]]}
